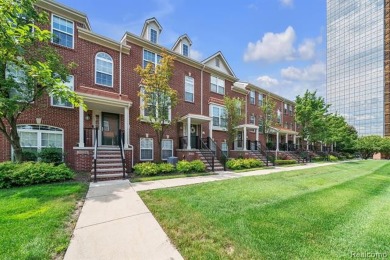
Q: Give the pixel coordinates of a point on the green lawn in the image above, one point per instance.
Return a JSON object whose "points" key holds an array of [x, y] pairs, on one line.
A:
{"points": [[34, 221], [320, 213], [166, 176]]}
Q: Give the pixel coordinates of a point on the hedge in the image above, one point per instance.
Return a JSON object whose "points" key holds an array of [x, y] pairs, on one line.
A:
{"points": [[150, 168], [238, 164], [284, 162], [28, 173]]}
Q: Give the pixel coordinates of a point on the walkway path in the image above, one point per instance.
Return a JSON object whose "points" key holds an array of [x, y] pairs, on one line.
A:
{"points": [[115, 223]]}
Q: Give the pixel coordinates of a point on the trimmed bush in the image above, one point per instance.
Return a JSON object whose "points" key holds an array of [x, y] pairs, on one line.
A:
{"points": [[51, 155], [285, 162], [165, 168], [333, 158], [28, 173], [146, 168], [29, 156], [238, 164], [193, 166]]}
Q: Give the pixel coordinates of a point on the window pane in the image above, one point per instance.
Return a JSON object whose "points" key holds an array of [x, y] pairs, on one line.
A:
{"points": [[62, 31]]}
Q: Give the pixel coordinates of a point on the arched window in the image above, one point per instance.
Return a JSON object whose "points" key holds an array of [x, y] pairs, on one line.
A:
{"points": [[104, 69]]}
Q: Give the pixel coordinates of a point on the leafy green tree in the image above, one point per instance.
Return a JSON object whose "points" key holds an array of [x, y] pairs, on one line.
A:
{"points": [[310, 114], [269, 116], [368, 145], [385, 147], [158, 98], [29, 66], [338, 132], [233, 116]]}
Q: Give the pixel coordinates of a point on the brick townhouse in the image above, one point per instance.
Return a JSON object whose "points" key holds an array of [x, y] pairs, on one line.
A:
{"points": [[106, 80]]}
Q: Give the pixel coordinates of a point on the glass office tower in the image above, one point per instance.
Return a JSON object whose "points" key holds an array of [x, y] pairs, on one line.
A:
{"points": [[356, 59]]}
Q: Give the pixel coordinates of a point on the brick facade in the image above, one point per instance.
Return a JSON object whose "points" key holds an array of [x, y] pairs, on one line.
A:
{"points": [[125, 87]]}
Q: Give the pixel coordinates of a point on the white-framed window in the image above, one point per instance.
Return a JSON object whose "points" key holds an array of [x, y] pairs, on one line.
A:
{"points": [[189, 89], [104, 69], [252, 97], [217, 62], [279, 116], [292, 126], [218, 113], [151, 57], [285, 108], [186, 51], [261, 125], [166, 148], [217, 85], [146, 149], [290, 108], [224, 148], [286, 125], [259, 99], [63, 31], [57, 101], [35, 138], [153, 35], [252, 119], [151, 110], [20, 92]]}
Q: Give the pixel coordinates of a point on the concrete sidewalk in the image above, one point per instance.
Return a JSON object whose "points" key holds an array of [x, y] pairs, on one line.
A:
{"points": [[115, 223]]}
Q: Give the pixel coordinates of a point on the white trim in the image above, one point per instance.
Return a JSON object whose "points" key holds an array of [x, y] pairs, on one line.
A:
{"points": [[193, 89], [182, 49], [219, 80], [150, 35], [171, 140], [52, 30], [112, 67], [140, 148]]}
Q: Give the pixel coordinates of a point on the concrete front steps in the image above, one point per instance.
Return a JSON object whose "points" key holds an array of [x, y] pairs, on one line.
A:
{"points": [[108, 164], [217, 164], [259, 156]]}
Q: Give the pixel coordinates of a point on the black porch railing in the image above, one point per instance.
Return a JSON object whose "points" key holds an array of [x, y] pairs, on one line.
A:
{"points": [[218, 152], [260, 151], [121, 140], [206, 152]]}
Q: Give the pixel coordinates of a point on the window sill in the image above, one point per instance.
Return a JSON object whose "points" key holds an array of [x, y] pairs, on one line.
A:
{"points": [[62, 46], [216, 128], [101, 85], [217, 93]]}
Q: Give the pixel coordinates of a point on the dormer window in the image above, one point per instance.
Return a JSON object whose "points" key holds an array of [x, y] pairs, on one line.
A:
{"points": [[185, 50], [217, 62], [153, 35]]}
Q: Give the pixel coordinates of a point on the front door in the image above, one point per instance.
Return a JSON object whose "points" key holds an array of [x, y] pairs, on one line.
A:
{"points": [[240, 142], [194, 137], [110, 127]]}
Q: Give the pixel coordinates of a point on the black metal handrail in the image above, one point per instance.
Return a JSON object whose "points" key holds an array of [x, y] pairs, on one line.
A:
{"points": [[95, 153], [121, 137], [221, 156], [206, 152], [262, 149]]}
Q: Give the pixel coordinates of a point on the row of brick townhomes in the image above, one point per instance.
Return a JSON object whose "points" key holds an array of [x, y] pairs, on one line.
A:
{"points": [[106, 80]]}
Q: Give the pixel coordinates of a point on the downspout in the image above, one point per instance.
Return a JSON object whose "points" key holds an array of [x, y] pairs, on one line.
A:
{"points": [[201, 100]]}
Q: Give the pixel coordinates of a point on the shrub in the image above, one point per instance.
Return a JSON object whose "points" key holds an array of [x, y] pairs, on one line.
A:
{"points": [[12, 174], [332, 158], [29, 156], [183, 166], [284, 162], [146, 168], [197, 166], [51, 155], [165, 168], [238, 164]]}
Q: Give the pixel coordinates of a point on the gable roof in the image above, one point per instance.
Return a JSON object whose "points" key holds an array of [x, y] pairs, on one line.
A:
{"points": [[147, 22], [184, 36], [224, 61]]}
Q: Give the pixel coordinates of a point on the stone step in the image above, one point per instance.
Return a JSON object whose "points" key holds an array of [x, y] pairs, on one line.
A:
{"points": [[117, 169], [108, 156], [109, 176], [108, 165], [108, 160]]}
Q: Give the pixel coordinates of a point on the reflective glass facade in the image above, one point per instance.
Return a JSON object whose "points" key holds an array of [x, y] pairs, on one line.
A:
{"points": [[355, 63]]}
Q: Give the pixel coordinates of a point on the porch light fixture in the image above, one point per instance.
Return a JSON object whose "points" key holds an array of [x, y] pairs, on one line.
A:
{"points": [[167, 136], [147, 135], [38, 120], [87, 117]]}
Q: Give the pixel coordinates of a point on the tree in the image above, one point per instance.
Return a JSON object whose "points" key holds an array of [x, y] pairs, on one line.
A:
{"points": [[310, 114], [368, 145], [338, 131], [233, 116], [158, 98], [29, 66], [385, 147], [269, 116]]}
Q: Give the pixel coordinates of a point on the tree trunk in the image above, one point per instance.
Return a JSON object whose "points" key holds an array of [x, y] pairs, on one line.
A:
{"points": [[15, 142]]}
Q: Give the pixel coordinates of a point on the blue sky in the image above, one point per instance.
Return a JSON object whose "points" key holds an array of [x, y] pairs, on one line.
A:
{"points": [[279, 45]]}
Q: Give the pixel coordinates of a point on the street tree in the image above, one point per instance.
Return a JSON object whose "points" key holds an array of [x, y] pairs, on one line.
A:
{"points": [[310, 114], [158, 98], [233, 115], [369, 145], [30, 67]]}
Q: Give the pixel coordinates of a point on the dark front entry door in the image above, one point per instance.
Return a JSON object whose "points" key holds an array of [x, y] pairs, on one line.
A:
{"points": [[194, 137], [110, 127]]}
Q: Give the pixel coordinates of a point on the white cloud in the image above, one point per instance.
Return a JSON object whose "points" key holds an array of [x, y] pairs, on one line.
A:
{"points": [[196, 55], [307, 49], [267, 82], [314, 72], [288, 3], [272, 47]]}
